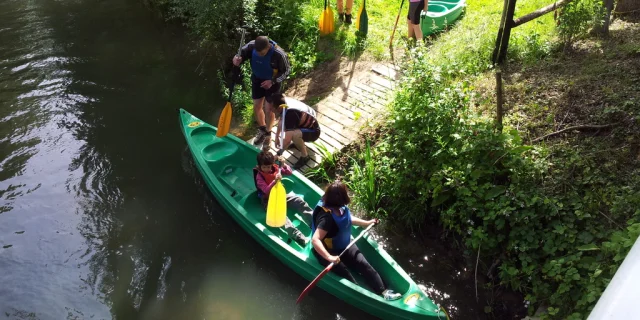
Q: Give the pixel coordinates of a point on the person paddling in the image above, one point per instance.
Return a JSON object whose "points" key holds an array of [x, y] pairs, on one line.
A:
{"points": [[331, 226], [300, 126], [269, 68], [265, 176]]}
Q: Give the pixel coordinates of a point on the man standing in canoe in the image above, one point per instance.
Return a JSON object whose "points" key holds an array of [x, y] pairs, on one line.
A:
{"points": [[300, 126], [269, 67]]}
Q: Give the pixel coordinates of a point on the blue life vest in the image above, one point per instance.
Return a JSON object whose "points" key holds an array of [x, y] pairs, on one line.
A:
{"points": [[261, 66], [342, 239]]}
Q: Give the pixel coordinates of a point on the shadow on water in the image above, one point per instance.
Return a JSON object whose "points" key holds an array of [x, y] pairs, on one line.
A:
{"points": [[152, 243], [103, 212]]}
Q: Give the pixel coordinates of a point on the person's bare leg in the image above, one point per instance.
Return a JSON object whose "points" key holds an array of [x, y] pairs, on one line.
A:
{"points": [[270, 115], [418, 27], [340, 6], [410, 29], [417, 30], [297, 140], [349, 6], [270, 121], [258, 111]]}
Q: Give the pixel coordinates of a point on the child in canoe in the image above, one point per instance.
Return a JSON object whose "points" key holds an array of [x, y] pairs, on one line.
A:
{"points": [[331, 227], [265, 176]]}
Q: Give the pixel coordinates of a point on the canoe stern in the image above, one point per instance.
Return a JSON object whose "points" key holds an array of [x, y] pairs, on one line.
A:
{"points": [[440, 15]]}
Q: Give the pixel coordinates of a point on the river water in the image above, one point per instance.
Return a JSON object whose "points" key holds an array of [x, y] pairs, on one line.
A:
{"points": [[102, 212]]}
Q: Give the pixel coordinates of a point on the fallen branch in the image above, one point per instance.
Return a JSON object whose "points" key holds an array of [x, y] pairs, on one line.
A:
{"points": [[611, 220], [582, 127], [542, 11]]}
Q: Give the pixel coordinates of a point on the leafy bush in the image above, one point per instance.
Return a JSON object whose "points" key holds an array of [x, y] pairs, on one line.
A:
{"points": [[577, 17], [319, 174], [364, 182], [211, 22], [560, 219]]}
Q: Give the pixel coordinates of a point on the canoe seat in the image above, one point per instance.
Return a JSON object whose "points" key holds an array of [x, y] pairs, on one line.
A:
{"points": [[234, 178], [219, 150], [250, 199]]}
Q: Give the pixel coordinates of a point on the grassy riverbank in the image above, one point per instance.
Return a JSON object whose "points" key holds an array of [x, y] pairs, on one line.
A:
{"points": [[552, 218]]}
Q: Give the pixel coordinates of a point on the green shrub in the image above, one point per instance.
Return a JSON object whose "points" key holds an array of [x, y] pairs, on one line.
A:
{"points": [[364, 182], [559, 218], [577, 18]]}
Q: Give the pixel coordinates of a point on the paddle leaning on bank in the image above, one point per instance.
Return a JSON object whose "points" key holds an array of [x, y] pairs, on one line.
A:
{"points": [[269, 68]]}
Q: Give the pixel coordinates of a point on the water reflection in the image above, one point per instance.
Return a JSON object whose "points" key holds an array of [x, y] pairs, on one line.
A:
{"points": [[149, 241], [102, 211], [439, 272]]}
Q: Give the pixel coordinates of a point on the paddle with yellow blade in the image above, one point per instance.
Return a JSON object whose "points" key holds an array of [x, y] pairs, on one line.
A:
{"points": [[277, 205], [326, 22], [363, 20], [225, 117]]}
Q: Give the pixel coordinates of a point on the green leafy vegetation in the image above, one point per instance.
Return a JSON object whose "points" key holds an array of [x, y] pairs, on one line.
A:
{"points": [[559, 217], [363, 180]]}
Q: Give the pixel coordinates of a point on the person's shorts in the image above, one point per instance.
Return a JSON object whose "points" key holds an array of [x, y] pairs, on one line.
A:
{"points": [[415, 8], [257, 92], [310, 135]]}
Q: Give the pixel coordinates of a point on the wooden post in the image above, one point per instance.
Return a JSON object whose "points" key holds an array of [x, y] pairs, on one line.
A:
{"points": [[499, 110], [506, 24], [494, 55]]}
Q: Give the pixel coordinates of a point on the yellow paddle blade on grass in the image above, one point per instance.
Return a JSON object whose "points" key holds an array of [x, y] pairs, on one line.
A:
{"points": [[277, 206], [331, 26], [321, 23], [224, 123], [326, 22]]}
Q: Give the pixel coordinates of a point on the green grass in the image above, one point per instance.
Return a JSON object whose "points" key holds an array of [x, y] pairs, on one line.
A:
{"points": [[344, 41], [558, 215], [470, 42]]}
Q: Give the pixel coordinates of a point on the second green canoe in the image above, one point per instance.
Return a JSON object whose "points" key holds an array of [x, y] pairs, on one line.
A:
{"points": [[440, 14]]}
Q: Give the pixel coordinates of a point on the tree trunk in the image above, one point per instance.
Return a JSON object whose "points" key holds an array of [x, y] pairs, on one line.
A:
{"points": [[500, 101], [602, 28]]}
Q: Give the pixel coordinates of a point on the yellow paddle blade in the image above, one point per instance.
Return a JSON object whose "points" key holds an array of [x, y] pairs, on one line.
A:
{"points": [[277, 206], [225, 121], [331, 22], [326, 22], [321, 23]]}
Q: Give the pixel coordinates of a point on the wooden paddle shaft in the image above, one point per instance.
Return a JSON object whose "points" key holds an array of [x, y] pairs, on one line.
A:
{"points": [[396, 25]]}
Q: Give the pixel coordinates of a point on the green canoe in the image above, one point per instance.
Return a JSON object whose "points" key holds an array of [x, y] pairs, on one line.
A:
{"points": [[226, 165], [440, 14]]}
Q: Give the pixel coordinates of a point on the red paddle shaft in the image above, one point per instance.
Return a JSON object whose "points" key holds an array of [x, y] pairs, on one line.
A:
{"points": [[328, 268]]}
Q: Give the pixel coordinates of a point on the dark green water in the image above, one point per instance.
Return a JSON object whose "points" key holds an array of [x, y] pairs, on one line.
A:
{"points": [[102, 212]]}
